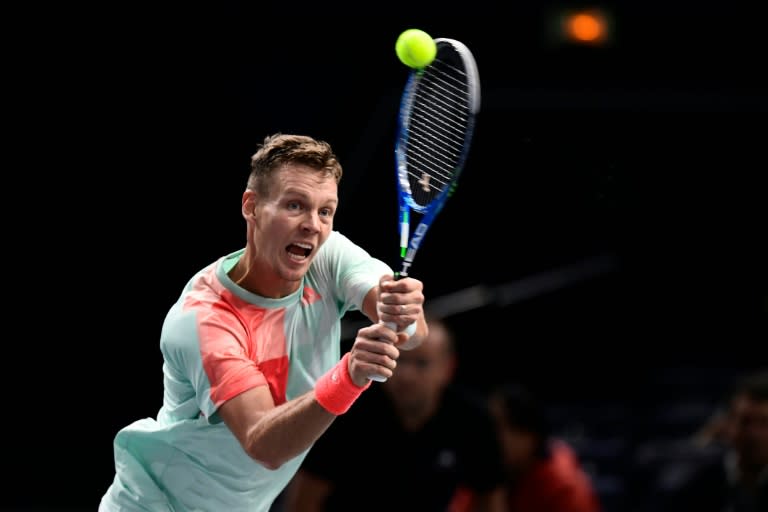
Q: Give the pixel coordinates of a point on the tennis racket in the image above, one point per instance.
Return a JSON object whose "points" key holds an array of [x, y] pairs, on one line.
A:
{"points": [[436, 122]]}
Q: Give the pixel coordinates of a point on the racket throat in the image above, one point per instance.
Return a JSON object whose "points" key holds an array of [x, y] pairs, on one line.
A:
{"points": [[413, 246], [407, 262]]}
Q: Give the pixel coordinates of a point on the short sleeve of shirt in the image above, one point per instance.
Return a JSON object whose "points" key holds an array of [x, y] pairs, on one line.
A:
{"points": [[354, 270], [196, 342]]}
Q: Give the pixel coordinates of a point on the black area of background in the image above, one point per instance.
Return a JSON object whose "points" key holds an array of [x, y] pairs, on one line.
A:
{"points": [[650, 149]]}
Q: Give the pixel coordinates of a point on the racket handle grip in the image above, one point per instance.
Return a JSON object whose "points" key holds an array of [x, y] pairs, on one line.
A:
{"points": [[381, 378]]}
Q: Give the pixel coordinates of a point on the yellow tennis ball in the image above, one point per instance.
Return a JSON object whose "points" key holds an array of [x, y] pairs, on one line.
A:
{"points": [[415, 48]]}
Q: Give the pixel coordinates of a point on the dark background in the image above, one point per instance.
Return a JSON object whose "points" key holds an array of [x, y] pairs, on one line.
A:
{"points": [[641, 160]]}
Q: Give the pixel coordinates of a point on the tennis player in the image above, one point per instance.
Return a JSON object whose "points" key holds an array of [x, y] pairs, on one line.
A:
{"points": [[253, 373]]}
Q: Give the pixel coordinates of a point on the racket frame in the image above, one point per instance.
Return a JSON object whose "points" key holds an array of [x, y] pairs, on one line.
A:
{"points": [[410, 242]]}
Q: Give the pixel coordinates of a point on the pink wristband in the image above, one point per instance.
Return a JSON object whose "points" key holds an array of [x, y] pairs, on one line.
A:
{"points": [[335, 391]]}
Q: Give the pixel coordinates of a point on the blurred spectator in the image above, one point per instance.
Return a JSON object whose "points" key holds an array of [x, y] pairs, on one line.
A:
{"points": [[543, 472], [738, 481], [434, 439]]}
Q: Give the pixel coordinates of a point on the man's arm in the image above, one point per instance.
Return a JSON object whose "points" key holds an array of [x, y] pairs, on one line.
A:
{"points": [[273, 434]]}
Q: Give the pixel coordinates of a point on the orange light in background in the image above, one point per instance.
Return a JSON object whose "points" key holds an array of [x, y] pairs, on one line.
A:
{"points": [[586, 27]]}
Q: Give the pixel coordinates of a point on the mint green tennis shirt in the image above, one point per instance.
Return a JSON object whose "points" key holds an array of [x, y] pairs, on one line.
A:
{"points": [[217, 341]]}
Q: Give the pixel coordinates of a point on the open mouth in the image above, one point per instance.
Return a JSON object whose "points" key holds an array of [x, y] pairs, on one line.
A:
{"points": [[299, 251]]}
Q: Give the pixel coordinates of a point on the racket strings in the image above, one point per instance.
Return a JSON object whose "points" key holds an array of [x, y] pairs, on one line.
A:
{"points": [[438, 126]]}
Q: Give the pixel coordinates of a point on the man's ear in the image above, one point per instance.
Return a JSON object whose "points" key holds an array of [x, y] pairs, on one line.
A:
{"points": [[248, 203]]}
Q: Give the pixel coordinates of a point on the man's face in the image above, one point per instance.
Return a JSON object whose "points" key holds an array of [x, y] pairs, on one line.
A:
{"points": [[290, 226], [422, 373]]}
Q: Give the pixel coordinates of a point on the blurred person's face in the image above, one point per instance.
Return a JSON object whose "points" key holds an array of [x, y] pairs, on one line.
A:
{"points": [[422, 374], [749, 431]]}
